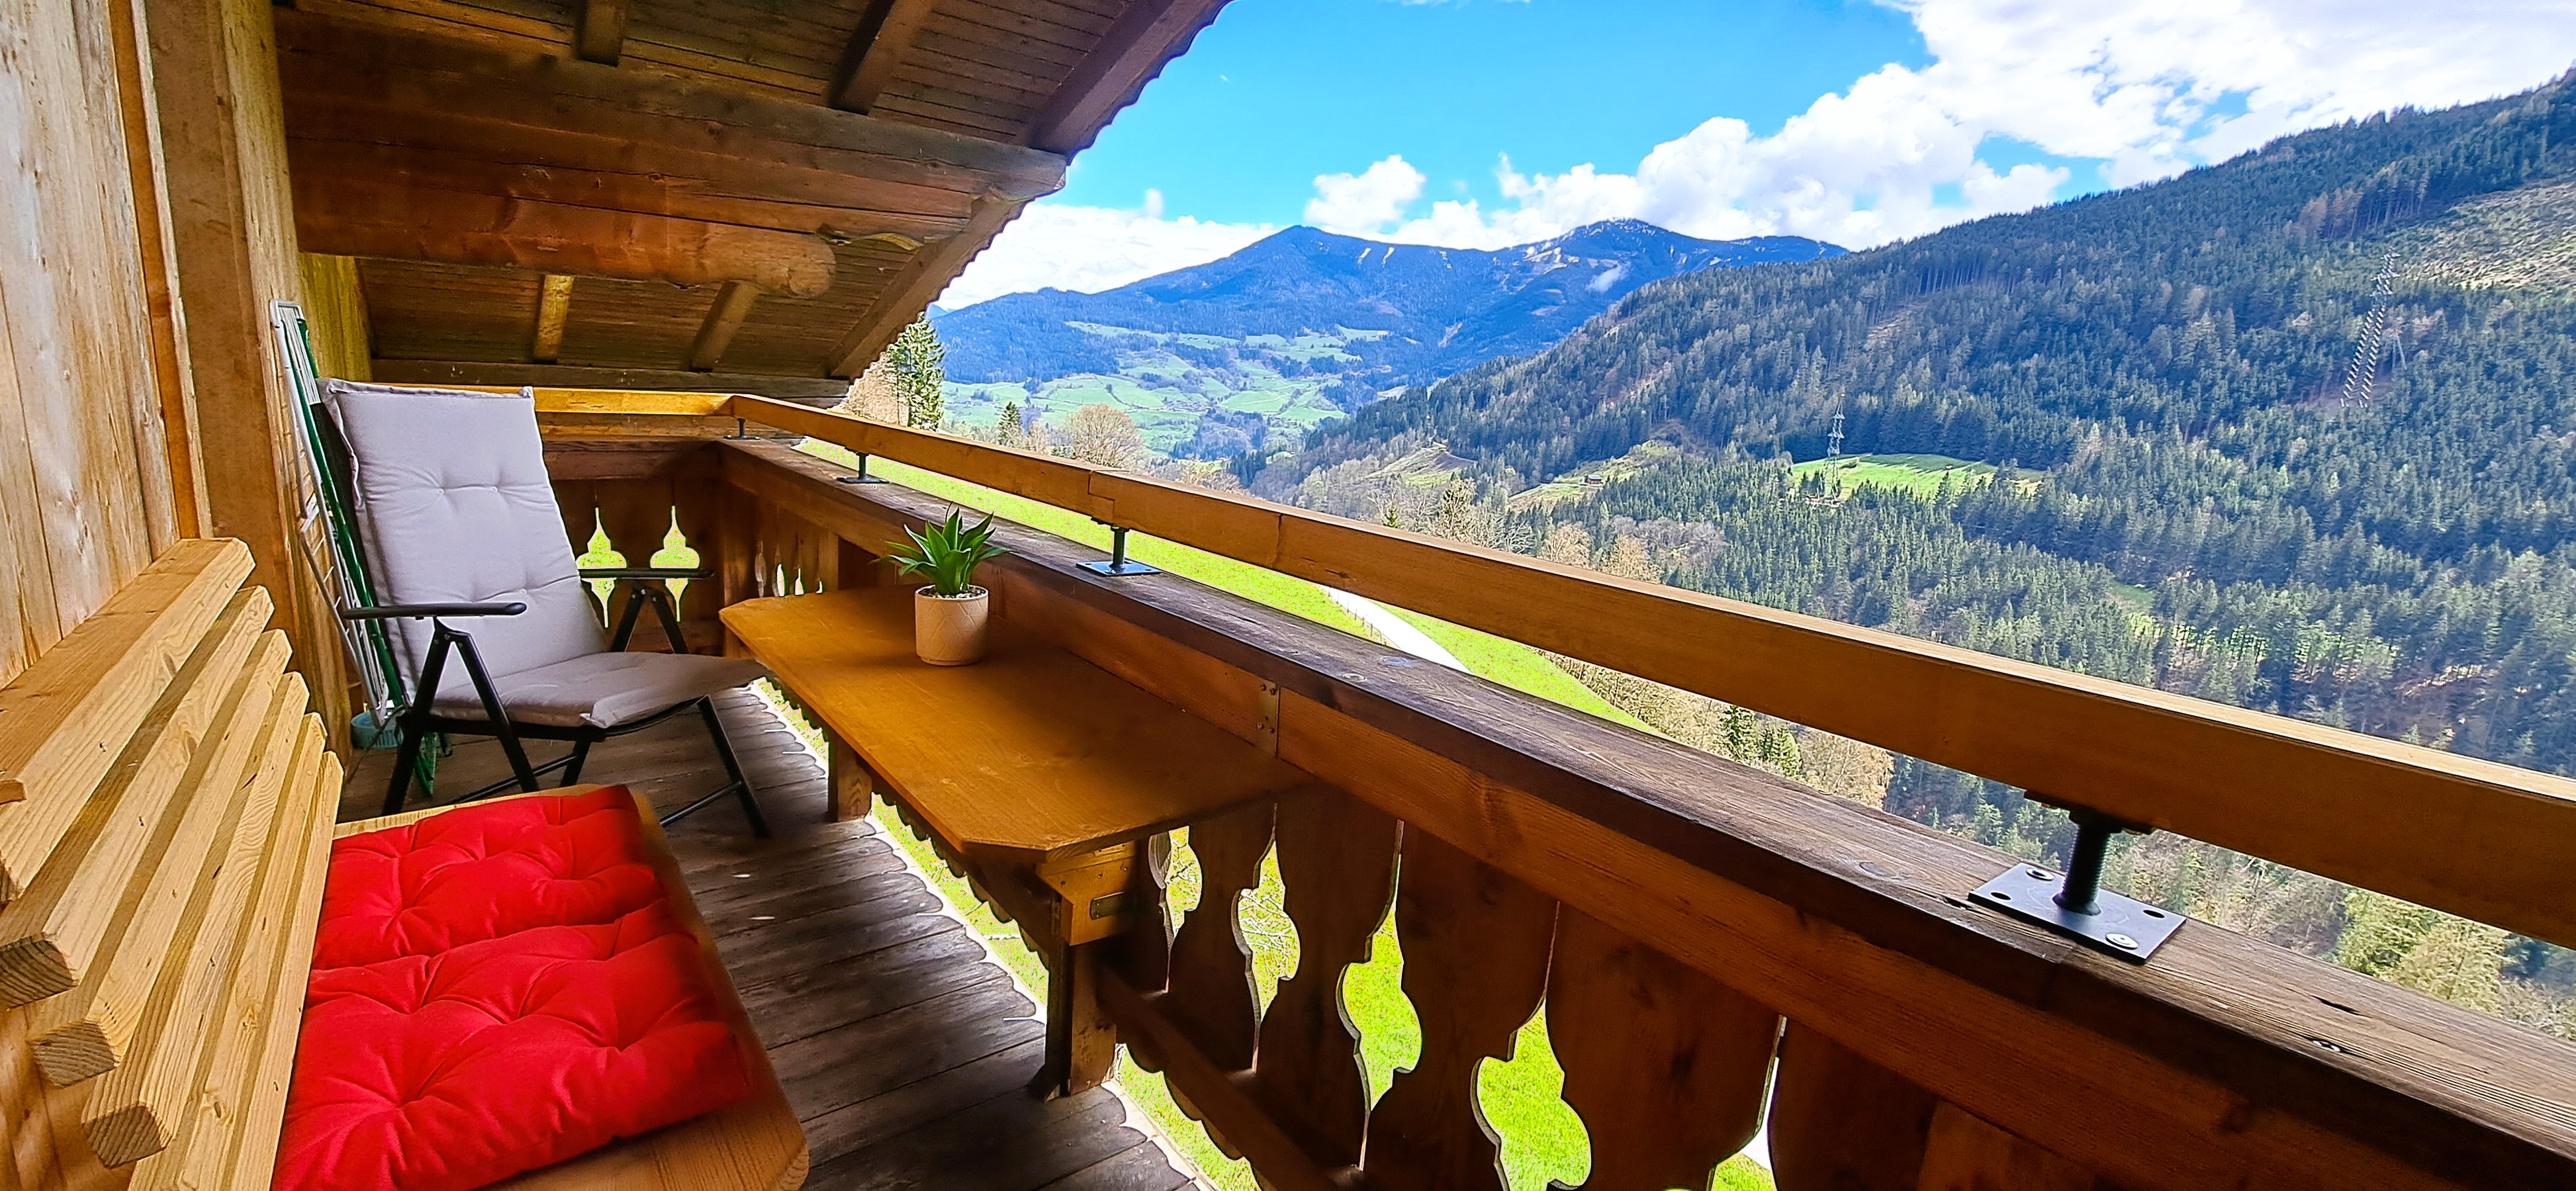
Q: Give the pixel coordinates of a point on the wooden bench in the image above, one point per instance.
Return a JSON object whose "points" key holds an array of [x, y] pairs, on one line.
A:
{"points": [[1049, 783], [166, 816]]}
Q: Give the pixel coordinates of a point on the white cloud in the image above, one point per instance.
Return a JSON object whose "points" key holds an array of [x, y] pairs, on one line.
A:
{"points": [[1093, 249], [2145, 89], [1358, 204]]}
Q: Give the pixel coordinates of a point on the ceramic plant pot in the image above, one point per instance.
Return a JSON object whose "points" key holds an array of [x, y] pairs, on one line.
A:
{"points": [[949, 630]]}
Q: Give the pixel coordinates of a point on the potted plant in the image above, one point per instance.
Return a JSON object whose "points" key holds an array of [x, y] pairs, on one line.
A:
{"points": [[950, 613]]}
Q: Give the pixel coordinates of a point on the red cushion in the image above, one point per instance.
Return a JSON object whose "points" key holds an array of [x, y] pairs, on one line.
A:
{"points": [[502, 991]]}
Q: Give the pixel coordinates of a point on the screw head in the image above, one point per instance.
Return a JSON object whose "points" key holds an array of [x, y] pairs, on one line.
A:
{"points": [[2121, 941]]}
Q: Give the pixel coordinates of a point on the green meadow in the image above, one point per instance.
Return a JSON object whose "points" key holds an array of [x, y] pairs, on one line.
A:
{"points": [[1920, 474]]}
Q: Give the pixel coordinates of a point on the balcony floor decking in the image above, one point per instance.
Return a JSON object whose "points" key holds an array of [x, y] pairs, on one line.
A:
{"points": [[905, 1050]]}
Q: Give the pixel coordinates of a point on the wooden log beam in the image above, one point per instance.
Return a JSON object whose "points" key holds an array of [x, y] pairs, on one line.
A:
{"points": [[373, 104], [1134, 50], [733, 305], [876, 46], [351, 217], [912, 290], [477, 373], [599, 33], [554, 309]]}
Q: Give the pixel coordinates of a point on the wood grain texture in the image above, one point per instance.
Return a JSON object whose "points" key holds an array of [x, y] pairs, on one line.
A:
{"points": [[1064, 759], [911, 291], [1220, 1099], [352, 216], [230, 1139], [1963, 1153], [1211, 967], [64, 719], [1134, 49], [83, 1032], [1842, 1123], [1475, 964], [1337, 873], [2339, 803], [140, 1108], [599, 33], [876, 47], [1666, 1067], [733, 304], [50, 934], [545, 346], [494, 374]]}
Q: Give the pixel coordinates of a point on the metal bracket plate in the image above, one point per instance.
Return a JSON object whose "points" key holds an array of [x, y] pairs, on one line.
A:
{"points": [[863, 479], [2125, 927], [1120, 570]]}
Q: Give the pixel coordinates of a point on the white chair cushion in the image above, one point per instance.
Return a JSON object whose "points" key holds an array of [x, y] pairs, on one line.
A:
{"points": [[455, 506], [605, 690]]}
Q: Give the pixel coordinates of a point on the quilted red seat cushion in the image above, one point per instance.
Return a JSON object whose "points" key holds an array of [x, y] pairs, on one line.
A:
{"points": [[496, 989]]}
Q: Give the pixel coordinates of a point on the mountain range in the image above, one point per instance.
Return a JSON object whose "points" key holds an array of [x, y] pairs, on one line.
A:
{"points": [[2294, 431], [1305, 326]]}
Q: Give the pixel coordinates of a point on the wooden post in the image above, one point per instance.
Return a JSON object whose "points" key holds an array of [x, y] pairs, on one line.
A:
{"points": [[1081, 1044]]}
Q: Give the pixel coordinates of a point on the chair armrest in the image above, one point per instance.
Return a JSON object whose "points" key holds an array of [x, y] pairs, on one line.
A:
{"points": [[421, 611], [648, 572]]}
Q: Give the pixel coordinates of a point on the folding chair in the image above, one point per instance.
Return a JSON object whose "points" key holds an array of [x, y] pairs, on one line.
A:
{"points": [[456, 516]]}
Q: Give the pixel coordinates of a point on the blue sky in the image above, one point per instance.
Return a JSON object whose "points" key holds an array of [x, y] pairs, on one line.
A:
{"points": [[1278, 92], [1484, 123]]}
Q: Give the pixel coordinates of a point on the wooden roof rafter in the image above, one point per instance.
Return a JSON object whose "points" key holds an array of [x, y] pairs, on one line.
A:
{"points": [[812, 172]]}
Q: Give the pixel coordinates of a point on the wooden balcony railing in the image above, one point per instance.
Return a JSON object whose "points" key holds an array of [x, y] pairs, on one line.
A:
{"points": [[1715, 948]]}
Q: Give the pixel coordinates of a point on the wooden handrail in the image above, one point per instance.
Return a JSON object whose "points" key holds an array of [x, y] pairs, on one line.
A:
{"points": [[2226, 1061], [2476, 838]]}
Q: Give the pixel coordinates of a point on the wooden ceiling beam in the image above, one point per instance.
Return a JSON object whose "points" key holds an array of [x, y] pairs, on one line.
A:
{"points": [[732, 306], [370, 103], [599, 33], [349, 217], [554, 309], [912, 290], [392, 371], [876, 47], [1133, 50]]}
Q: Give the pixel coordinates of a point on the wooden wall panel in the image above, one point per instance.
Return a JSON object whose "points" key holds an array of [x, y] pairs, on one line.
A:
{"points": [[85, 496], [214, 77], [335, 312]]}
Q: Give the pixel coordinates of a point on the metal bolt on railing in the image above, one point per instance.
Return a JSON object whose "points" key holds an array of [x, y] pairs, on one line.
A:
{"points": [[862, 477], [2076, 904], [1119, 565]]}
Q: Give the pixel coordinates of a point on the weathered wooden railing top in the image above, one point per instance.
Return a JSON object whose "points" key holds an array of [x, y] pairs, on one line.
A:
{"points": [[2476, 838]]}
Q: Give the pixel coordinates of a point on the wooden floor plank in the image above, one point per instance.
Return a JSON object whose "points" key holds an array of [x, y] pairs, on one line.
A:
{"points": [[907, 1050], [869, 1058]]}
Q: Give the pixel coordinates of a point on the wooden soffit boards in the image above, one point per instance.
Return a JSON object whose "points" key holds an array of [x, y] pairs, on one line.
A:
{"points": [[374, 113]]}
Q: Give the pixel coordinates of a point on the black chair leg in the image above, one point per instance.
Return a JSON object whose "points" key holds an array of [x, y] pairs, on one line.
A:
{"points": [[740, 785], [406, 760], [573, 764]]}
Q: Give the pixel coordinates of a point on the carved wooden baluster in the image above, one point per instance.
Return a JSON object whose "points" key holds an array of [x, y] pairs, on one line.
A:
{"points": [[1842, 1123], [1665, 1066], [735, 549], [1212, 995], [1337, 864], [637, 516], [698, 509], [1475, 962], [1964, 1153], [578, 502]]}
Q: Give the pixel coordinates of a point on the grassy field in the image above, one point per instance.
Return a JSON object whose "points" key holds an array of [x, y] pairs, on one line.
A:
{"points": [[1542, 1138], [1272, 375], [1915, 473]]}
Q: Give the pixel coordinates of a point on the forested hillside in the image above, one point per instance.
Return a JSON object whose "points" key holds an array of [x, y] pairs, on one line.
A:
{"points": [[2295, 432]]}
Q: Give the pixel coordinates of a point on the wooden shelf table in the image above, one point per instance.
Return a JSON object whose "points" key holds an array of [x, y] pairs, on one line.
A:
{"points": [[1050, 782]]}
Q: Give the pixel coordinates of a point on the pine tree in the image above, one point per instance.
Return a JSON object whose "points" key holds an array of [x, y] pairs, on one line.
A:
{"points": [[1008, 428], [918, 362]]}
